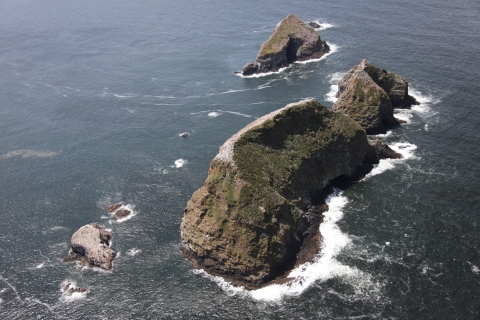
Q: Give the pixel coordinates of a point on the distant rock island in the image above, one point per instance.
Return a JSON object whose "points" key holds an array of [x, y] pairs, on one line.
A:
{"points": [[369, 94], [258, 214], [293, 40]]}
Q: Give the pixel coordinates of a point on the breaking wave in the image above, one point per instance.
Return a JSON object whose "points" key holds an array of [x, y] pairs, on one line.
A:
{"points": [[334, 78]]}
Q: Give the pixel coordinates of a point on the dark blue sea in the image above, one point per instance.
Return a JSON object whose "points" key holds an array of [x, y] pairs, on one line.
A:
{"points": [[94, 95]]}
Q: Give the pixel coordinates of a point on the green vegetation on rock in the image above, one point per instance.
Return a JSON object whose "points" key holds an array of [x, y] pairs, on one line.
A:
{"points": [[368, 95], [248, 220], [292, 40]]}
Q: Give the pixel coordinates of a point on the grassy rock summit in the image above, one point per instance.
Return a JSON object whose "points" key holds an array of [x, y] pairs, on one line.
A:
{"points": [[258, 213], [369, 94], [293, 40]]}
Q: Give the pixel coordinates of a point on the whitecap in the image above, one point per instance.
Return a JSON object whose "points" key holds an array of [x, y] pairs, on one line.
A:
{"points": [[133, 252], [214, 114], [180, 163], [474, 268]]}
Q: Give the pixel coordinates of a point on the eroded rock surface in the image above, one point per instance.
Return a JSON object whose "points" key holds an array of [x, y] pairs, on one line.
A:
{"points": [[293, 40], [369, 94], [122, 213], [90, 245], [258, 213]]}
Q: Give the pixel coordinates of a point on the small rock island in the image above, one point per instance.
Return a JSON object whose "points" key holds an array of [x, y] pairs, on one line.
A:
{"points": [[90, 245], [293, 40], [369, 94], [258, 214]]}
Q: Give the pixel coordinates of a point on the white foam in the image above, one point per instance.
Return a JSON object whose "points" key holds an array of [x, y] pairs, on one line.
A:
{"points": [[333, 49], [57, 228], [180, 163], [323, 267], [259, 75], [426, 101], [334, 78], [474, 268], [383, 135], [403, 114], [239, 114], [133, 252], [71, 296], [129, 207], [214, 114], [323, 25], [29, 153], [404, 148]]}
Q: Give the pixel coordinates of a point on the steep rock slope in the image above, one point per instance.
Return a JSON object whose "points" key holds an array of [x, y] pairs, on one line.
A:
{"points": [[293, 40], [254, 216], [369, 94]]}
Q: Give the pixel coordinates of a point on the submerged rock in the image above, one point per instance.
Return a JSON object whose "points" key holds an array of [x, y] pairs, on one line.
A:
{"points": [[293, 40], [90, 245], [258, 213], [368, 95], [314, 25], [122, 213], [111, 208], [383, 151], [69, 288]]}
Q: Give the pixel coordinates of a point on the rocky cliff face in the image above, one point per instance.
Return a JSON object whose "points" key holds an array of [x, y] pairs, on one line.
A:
{"points": [[293, 40], [368, 95], [259, 210]]}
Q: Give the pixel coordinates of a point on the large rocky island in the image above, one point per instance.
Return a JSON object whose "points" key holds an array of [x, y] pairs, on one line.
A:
{"points": [[258, 213], [369, 94], [293, 40]]}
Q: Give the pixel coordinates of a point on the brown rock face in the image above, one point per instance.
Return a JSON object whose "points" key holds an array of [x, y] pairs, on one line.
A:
{"points": [[257, 215], [383, 151], [293, 40], [113, 207], [122, 213], [91, 247], [368, 95]]}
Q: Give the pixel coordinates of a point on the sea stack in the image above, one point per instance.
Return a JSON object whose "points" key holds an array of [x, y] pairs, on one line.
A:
{"points": [[258, 213], [91, 247], [369, 94], [293, 40]]}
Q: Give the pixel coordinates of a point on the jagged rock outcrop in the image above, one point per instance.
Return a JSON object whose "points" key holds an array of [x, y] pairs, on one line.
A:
{"points": [[90, 245], [369, 94], [293, 40], [258, 213]]}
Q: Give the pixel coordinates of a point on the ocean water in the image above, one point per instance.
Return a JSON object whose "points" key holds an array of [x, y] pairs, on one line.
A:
{"points": [[94, 95]]}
